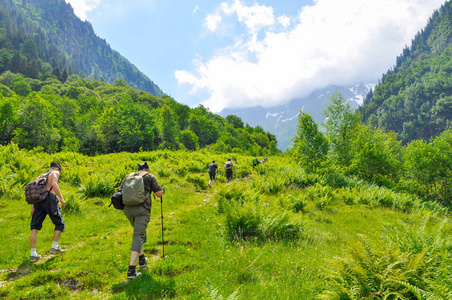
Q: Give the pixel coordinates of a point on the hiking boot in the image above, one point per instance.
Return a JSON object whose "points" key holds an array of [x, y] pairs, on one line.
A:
{"points": [[132, 275], [57, 250], [34, 258], [143, 262]]}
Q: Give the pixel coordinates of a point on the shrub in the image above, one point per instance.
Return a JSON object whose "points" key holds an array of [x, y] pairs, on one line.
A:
{"points": [[413, 266], [252, 222], [97, 185], [73, 204], [199, 181]]}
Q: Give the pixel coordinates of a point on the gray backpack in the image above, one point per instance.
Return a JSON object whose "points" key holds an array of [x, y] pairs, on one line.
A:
{"points": [[133, 190]]}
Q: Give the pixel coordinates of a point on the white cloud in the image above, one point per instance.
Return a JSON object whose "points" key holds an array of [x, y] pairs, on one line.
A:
{"points": [[212, 22], [81, 7], [330, 42], [195, 9], [284, 21], [254, 17]]}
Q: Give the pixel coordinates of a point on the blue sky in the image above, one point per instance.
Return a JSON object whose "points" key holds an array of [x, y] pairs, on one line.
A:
{"points": [[240, 53]]}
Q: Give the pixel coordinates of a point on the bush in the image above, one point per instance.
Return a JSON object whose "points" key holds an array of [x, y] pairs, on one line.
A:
{"points": [[252, 222], [97, 185], [412, 266], [199, 181], [299, 205], [73, 204]]}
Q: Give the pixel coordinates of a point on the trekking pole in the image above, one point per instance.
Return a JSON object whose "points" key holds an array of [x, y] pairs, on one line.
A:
{"points": [[163, 241]]}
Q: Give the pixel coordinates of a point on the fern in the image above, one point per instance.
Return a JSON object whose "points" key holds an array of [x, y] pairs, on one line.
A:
{"points": [[415, 265], [213, 293]]}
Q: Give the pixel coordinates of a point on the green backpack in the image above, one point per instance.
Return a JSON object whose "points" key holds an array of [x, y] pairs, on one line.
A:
{"points": [[133, 191]]}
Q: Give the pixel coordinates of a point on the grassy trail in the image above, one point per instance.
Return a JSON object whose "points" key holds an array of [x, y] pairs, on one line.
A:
{"points": [[205, 259]]}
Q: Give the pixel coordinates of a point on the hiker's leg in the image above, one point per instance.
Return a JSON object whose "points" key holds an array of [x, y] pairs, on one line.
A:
{"points": [[37, 218], [56, 236], [33, 238], [134, 258], [54, 212], [142, 218]]}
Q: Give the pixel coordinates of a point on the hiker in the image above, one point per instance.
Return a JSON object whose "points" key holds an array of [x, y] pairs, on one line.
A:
{"points": [[255, 162], [51, 207], [212, 169], [139, 217], [228, 167]]}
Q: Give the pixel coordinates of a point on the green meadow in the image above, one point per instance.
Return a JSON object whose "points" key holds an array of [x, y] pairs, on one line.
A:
{"points": [[274, 232]]}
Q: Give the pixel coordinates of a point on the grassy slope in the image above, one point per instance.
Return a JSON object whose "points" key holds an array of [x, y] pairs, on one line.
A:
{"points": [[202, 261]]}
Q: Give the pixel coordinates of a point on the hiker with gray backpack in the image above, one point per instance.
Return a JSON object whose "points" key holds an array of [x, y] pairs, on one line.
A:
{"points": [[229, 168], [136, 196]]}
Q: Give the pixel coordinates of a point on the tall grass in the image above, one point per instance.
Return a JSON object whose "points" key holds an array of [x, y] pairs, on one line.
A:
{"points": [[415, 264], [271, 233]]}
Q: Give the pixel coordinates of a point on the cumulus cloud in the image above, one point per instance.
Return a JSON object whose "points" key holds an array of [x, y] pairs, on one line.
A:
{"points": [[254, 17], [81, 7], [330, 42], [212, 21]]}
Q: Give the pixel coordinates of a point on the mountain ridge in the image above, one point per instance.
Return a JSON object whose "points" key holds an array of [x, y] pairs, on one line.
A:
{"points": [[67, 43], [282, 120]]}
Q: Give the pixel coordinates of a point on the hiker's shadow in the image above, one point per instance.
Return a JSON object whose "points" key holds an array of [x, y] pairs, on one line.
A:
{"points": [[26, 267], [145, 286]]}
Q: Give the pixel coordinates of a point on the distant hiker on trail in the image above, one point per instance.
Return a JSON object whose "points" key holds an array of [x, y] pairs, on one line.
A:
{"points": [[212, 169], [228, 167], [255, 162], [136, 194], [51, 207]]}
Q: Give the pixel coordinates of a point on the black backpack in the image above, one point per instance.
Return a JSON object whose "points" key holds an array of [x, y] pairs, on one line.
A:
{"points": [[228, 165], [116, 201]]}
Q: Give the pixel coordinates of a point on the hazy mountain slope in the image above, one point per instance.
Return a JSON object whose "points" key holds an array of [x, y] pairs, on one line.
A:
{"points": [[414, 98], [282, 120], [64, 41]]}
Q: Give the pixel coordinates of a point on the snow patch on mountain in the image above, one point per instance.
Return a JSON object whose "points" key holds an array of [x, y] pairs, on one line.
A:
{"points": [[282, 120], [271, 115]]}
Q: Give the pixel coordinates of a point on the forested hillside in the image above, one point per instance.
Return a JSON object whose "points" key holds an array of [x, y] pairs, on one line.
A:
{"points": [[414, 98], [38, 37], [89, 116]]}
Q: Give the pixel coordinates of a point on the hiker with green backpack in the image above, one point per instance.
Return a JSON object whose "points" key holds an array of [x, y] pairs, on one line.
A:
{"points": [[136, 195]]}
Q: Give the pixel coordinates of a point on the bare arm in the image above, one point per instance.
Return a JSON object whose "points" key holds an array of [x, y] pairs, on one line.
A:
{"points": [[54, 178], [32, 209]]}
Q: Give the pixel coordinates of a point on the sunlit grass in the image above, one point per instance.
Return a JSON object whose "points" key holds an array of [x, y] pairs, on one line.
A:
{"points": [[299, 224]]}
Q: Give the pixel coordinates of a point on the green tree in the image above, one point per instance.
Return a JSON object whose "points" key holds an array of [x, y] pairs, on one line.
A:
{"points": [[169, 128], [106, 127], [228, 141], [29, 49], [8, 118], [135, 126], [235, 121], [341, 123], [120, 82], [429, 165], [20, 86], [375, 155], [310, 144], [37, 125], [189, 139]]}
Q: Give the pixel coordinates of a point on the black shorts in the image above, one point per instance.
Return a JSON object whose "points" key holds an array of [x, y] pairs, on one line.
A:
{"points": [[49, 207], [212, 176]]}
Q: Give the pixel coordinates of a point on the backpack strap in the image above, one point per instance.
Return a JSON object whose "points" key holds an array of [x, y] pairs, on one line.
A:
{"points": [[46, 176]]}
